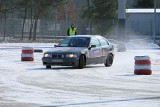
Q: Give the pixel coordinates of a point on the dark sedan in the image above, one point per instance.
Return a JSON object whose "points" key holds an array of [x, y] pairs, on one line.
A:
{"points": [[79, 51]]}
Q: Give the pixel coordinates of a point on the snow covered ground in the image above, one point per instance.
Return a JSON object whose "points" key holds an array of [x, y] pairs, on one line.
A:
{"points": [[30, 84]]}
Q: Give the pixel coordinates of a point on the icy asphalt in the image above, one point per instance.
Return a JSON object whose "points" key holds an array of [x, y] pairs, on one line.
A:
{"points": [[30, 84]]}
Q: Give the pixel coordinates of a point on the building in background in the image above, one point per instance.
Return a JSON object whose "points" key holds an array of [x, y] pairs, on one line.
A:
{"points": [[140, 22]]}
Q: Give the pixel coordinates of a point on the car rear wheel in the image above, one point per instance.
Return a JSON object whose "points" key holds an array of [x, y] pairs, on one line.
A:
{"points": [[82, 62], [109, 61], [48, 66]]}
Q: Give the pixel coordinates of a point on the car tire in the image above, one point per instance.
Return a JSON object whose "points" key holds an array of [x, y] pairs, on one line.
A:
{"points": [[82, 62], [109, 61], [48, 66]]}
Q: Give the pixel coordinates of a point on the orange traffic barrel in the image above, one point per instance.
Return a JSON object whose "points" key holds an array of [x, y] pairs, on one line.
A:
{"points": [[27, 54], [142, 65]]}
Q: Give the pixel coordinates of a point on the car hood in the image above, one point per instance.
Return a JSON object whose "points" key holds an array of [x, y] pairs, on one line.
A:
{"points": [[67, 50]]}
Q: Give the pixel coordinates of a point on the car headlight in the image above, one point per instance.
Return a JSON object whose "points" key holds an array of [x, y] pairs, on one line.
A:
{"points": [[71, 56], [47, 55]]}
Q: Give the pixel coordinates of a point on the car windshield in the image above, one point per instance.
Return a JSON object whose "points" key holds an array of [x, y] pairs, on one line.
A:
{"points": [[75, 42]]}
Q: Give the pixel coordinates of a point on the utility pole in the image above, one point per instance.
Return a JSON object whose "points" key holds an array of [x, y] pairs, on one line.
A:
{"points": [[154, 32], [121, 24], [121, 19]]}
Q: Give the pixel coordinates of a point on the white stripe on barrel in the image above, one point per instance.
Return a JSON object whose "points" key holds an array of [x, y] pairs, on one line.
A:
{"points": [[27, 54], [142, 65]]}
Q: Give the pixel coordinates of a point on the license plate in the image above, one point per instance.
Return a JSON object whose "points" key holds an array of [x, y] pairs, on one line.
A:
{"points": [[57, 60]]}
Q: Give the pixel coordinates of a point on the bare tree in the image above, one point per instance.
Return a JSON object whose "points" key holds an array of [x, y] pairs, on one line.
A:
{"points": [[41, 8]]}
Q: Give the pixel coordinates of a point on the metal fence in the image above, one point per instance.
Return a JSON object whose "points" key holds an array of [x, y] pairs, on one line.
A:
{"points": [[47, 29], [12, 27]]}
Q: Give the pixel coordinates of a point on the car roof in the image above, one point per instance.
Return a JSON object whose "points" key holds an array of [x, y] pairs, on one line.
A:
{"points": [[85, 36]]}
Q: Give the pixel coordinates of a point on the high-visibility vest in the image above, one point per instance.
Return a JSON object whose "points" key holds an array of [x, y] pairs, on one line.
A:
{"points": [[72, 31]]}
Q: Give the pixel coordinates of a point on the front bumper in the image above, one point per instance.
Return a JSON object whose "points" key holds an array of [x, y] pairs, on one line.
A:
{"points": [[60, 61]]}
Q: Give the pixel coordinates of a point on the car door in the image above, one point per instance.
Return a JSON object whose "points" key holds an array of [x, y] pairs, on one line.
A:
{"points": [[105, 48], [95, 53]]}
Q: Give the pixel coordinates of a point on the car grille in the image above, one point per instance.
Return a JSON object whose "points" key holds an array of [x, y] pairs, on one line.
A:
{"points": [[57, 56]]}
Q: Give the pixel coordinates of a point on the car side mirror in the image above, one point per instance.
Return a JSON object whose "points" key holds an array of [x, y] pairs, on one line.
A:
{"points": [[92, 46]]}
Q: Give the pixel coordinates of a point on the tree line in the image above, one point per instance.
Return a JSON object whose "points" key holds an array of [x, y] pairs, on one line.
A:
{"points": [[29, 9], [38, 9]]}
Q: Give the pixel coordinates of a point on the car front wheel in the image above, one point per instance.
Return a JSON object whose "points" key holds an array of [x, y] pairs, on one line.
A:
{"points": [[48, 66], [81, 62], [109, 61]]}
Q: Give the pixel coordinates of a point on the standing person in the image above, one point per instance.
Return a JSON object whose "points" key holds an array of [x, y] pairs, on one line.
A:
{"points": [[72, 30]]}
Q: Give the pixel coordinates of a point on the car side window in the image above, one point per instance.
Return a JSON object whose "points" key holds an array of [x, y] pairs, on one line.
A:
{"points": [[103, 41], [95, 41]]}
